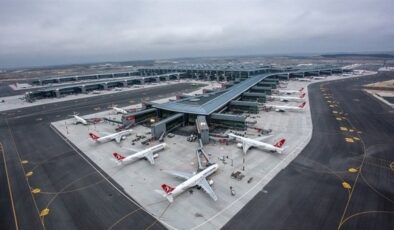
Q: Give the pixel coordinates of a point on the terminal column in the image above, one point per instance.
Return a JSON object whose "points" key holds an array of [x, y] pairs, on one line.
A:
{"points": [[57, 93]]}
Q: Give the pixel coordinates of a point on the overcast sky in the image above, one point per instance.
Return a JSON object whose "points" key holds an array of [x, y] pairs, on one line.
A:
{"points": [[39, 32]]}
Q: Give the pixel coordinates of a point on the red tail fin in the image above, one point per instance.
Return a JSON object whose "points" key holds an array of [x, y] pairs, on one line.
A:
{"points": [[302, 105], [94, 136], [302, 95], [167, 188], [301, 89], [280, 143], [118, 156]]}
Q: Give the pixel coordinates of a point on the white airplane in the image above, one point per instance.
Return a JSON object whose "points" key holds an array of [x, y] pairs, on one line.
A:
{"points": [[79, 120], [247, 143], [347, 74], [284, 98], [285, 108], [119, 110], [119, 136], [191, 180], [303, 79], [288, 92], [149, 154]]}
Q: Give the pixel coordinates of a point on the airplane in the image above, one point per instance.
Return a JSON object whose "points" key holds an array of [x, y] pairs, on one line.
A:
{"points": [[303, 79], [79, 120], [286, 108], [347, 74], [119, 110], [119, 136], [149, 154], [247, 143], [191, 180], [285, 99], [288, 92]]}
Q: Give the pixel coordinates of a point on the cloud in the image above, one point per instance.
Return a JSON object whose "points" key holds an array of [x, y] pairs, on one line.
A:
{"points": [[44, 32]]}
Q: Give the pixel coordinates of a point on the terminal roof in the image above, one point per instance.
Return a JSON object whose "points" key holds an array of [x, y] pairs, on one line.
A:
{"points": [[202, 106]]}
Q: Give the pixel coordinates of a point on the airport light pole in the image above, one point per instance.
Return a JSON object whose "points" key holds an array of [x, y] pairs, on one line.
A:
{"points": [[65, 123]]}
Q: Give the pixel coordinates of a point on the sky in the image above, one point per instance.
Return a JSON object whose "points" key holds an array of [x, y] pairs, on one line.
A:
{"points": [[49, 32]]}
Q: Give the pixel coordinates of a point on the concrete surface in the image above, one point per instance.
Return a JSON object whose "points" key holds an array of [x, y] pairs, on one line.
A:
{"points": [[197, 210], [382, 95]]}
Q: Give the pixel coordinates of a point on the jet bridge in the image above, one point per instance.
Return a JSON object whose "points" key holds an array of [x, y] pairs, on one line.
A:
{"points": [[139, 116], [244, 106], [167, 124], [249, 96], [228, 121], [202, 129]]}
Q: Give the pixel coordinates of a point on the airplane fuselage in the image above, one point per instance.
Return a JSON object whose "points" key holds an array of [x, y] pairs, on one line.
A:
{"points": [[262, 145], [286, 107], [119, 110], [284, 98], [193, 181], [289, 91], [143, 153], [255, 143], [79, 119], [113, 136]]}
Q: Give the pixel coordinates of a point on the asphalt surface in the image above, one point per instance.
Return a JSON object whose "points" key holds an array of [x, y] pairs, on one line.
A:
{"points": [[309, 193], [77, 195], [5, 90], [389, 99]]}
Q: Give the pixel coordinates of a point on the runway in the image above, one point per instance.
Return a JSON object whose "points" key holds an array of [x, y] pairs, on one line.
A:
{"points": [[46, 184], [344, 178]]}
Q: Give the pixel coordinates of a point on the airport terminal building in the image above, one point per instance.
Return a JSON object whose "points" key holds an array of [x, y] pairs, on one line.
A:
{"points": [[244, 88]]}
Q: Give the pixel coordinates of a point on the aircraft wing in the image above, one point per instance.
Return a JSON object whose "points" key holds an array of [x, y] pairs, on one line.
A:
{"points": [[246, 146], [104, 133], [118, 138], [203, 183], [132, 150], [184, 175], [150, 158], [261, 138]]}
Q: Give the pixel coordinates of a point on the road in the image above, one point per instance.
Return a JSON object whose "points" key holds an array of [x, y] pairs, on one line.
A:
{"points": [[335, 183], [46, 184]]}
